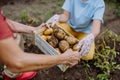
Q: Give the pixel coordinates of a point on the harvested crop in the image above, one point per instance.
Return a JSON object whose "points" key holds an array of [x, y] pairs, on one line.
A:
{"points": [[63, 45], [71, 40], [41, 30], [58, 50], [44, 37], [48, 31], [48, 37], [53, 41], [59, 33], [75, 47]]}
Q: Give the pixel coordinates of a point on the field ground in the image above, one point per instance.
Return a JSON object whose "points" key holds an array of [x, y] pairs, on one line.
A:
{"points": [[40, 11]]}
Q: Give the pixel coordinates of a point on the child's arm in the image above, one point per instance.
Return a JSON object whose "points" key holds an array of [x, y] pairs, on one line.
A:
{"points": [[96, 27], [64, 17], [86, 42]]}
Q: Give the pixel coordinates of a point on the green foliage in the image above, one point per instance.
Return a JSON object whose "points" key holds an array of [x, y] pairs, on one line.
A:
{"points": [[116, 5], [118, 11], [43, 1], [90, 78], [118, 39], [103, 76], [23, 15], [27, 19], [49, 14], [85, 64], [1, 69], [113, 1], [105, 55], [60, 2], [1, 77]]}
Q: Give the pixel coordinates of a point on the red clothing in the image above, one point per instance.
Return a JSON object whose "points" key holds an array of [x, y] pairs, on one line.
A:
{"points": [[5, 30]]}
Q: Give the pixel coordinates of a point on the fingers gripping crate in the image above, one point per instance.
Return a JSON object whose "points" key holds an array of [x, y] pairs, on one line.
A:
{"points": [[45, 47]]}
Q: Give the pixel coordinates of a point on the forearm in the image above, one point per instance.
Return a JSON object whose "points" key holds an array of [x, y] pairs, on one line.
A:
{"points": [[96, 27], [37, 62], [64, 17], [17, 61], [18, 27]]}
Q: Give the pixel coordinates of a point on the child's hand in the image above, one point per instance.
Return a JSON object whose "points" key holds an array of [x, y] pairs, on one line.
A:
{"points": [[85, 44], [52, 21]]}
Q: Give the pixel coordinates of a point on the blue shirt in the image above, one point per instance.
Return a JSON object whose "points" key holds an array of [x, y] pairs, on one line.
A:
{"points": [[82, 13]]}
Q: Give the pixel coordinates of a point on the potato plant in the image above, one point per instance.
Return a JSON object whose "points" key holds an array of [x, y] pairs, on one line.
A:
{"points": [[105, 55]]}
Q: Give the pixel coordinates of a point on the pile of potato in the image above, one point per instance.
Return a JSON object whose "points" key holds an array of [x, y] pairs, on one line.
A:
{"points": [[59, 39]]}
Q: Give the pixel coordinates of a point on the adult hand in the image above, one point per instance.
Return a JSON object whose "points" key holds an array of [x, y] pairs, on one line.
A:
{"points": [[72, 57], [52, 21], [85, 44], [38, 28]]}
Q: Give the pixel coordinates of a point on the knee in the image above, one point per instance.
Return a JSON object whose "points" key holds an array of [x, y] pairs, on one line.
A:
{"points": [[88, 57], [91, 53]]}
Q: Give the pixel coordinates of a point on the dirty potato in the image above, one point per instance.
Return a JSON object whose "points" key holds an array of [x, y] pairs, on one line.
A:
{"points": [[44, 37], [59, 33], [75, 47], [41, 30], [71, 40], [48, 31], [48, 37], [63, 45], [57, 49], [53, 41]]}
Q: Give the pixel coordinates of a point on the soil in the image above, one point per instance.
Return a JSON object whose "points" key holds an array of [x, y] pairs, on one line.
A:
{"points": [[40, 9]]}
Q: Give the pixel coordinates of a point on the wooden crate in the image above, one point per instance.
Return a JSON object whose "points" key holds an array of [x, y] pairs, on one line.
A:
{"points": [[47, 49]]}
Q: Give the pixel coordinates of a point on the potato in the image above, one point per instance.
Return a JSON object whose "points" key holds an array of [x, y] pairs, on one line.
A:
{"points": [[71, 40], [75, 47], [53, 41], [58, 50], [41, 30], [59, 33], [48, 31], [44, 37], [63, 45], [48, 37]]}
